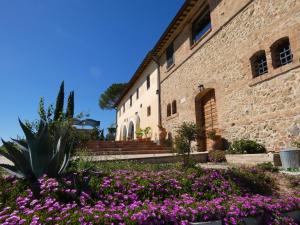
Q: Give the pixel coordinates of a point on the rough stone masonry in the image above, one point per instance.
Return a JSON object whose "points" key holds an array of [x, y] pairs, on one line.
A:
{"points": [[264, 108]]}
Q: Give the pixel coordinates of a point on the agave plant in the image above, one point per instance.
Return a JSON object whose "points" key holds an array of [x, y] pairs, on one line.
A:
{"points": [[40, 154]]}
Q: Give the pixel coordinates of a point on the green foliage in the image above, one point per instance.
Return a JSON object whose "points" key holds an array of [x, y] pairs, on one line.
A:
{"points": [[16, 188], [297, 144], [269, 167], [139, 133], [79, 137], [40, 154], [186, 133], [101, 137], [147, 132], [70, 106], [59, 107], [217, 156], [245, 146], [143, 132], [111, 135], [294, 182], [252, 180], [84, 163], [109, 98]]}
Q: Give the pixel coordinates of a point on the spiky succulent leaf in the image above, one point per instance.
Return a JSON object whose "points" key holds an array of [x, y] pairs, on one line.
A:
{"points": [[12, 170], [66, 159], [57, 162], [23, 148], [22, 145], [40, 149], [28, 132], [16, 157], [40, 154]]}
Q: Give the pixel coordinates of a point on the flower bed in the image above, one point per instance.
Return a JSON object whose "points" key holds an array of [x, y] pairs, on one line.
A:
{"points": [[144, 197]]}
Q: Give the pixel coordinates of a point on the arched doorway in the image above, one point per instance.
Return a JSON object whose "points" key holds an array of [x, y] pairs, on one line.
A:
{"points": [[124, 138], [206, 116], [131, 131]]}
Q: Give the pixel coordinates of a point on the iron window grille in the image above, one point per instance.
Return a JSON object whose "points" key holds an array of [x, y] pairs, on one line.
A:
{"points": [[281, 52], [260, 65], [285, 55]]}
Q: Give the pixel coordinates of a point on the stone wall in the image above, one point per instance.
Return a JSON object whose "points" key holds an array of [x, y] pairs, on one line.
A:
{"points": [[266, 108]]}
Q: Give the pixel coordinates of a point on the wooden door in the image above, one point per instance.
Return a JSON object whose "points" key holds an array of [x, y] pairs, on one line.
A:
{"points": [[209, 116]]}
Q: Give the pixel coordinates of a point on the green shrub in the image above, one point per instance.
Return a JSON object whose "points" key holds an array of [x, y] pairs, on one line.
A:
{"points": [[40, 154], [267, 167], [187, 132], [297, 144], [294, 182], [252, 180], [10, 190], [245, 146], [216, 156]]}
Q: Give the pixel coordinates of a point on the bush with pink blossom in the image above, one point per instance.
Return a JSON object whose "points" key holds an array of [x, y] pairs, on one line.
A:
{"points": [[139, 197]]}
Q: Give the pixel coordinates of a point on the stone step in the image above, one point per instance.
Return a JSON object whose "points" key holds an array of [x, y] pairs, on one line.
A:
{"points": [[129, 152], [129, 146], [128, 149]]}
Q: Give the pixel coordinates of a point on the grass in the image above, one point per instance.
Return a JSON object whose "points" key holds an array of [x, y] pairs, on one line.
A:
{"points": [[110, 166]]}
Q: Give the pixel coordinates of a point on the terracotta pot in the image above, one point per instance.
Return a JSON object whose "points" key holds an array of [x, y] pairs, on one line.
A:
{"points": [[217, 143], [139, 138], [162, 134]]}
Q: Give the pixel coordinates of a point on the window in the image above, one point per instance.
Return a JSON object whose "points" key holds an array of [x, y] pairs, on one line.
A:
{"points": [[170, 55], [201, 25], [130, 100], [148, 82], [281, 53], [259, 63], [124, 108], [149, 111], [174, 107], [137, 93], [168, 110]]}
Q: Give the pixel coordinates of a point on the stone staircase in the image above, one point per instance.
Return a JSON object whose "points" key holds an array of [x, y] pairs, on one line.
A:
{"points": [[126, 148]]}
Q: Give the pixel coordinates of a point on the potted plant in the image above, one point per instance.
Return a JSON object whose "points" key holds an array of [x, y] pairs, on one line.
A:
{"points": [[162, 133], [147, 133], [216, 139], [139, 134], [290, 157]]}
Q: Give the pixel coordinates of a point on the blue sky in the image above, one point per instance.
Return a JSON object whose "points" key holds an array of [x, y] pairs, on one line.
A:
{"points": [[89, 44]]}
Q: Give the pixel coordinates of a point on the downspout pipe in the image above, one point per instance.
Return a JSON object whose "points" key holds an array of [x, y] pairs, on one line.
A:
{"points": [[116, 118], [158, 92]]}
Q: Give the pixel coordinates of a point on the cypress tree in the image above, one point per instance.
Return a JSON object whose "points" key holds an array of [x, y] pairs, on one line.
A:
{"points": [[59, 103], [70, 107]]}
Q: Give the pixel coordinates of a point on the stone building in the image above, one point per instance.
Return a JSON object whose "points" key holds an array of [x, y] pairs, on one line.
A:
{"points": [[138, 106], [232, 67]]}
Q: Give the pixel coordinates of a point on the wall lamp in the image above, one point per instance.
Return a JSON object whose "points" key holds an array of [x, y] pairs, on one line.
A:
{"points": [[201, 87]]}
